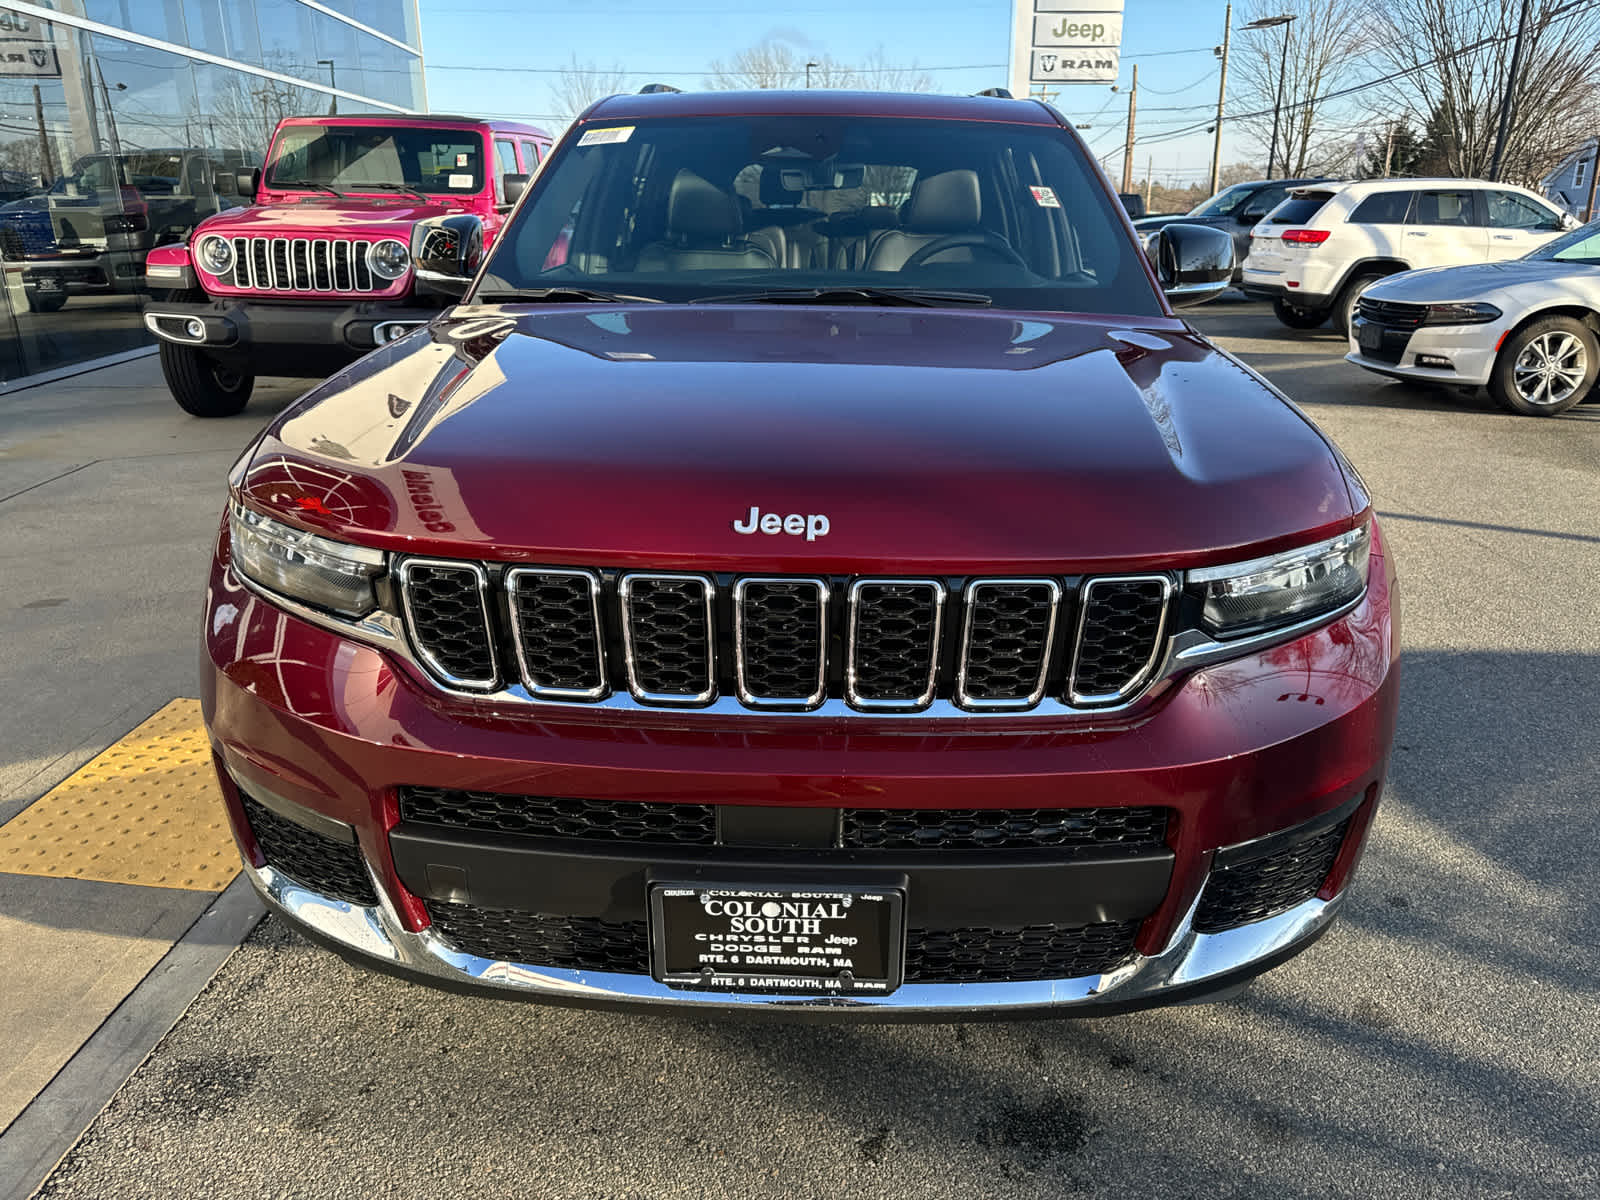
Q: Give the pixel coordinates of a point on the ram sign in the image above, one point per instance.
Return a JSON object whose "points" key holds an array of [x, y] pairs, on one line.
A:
{"points": [[1064, 41]]}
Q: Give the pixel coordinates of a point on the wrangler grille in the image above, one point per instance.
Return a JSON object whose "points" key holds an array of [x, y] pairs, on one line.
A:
{"points": [[264, 264], [790, 644]]}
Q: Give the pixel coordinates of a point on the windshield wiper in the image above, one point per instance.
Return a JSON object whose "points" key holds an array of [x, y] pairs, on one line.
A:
{"points": [[393, 187], [306, 183], [563, 295], [888, 297]]}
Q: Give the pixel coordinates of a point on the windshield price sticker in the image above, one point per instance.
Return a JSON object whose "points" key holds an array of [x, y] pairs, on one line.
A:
{"points": [[606, 137], [777, 940]]}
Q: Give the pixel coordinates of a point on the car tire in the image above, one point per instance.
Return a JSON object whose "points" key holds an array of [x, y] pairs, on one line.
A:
{"points": [[41, 302], [1545, 367], [1344, 309], [1298, 318], [203, 386]]}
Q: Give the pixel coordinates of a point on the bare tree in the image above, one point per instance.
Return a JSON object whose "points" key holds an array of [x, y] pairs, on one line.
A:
{"points": [[580, 84], [776, 64], [1458, 59], [1316, 53]]}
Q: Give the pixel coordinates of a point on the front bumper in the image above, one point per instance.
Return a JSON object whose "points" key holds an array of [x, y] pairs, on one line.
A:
{"points": [[1243, 753], [1469, 349], [87, 273], [261, 331]]}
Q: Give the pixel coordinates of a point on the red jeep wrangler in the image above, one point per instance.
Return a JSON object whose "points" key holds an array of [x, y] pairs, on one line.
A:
{"points": [[317, 271]]}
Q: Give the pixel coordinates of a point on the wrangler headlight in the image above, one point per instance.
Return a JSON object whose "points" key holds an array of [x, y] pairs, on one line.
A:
{"points": [[388, 259], [1280, 589], [214, 254], [314, 570]]}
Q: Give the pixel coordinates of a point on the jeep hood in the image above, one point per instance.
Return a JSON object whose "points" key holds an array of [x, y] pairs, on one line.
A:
{"points": [[328, 216], [930, 440]]}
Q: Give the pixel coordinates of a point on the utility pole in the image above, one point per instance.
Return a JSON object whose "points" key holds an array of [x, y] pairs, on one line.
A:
{"points": [[1222, 91], [1127, 150], [1149, 174], [1511, 90]]}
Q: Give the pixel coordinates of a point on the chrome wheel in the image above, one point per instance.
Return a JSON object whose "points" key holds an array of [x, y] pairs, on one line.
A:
{"points": [[1550, 369]]}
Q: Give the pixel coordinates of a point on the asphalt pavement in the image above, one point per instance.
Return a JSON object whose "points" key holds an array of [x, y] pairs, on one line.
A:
{"points": [[1443, 1040]]}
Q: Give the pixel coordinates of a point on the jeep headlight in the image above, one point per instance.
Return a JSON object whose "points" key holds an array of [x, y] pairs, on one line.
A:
{"points": [[389, 259], [1280, 589], [214, 254], [303, 566]]}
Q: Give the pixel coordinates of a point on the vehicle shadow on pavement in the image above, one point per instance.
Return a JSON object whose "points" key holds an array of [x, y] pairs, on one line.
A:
{"points": [[1440, 1041]]}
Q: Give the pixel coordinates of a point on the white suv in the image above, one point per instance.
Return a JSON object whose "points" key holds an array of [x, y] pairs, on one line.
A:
{"points": [[1316, 252]]}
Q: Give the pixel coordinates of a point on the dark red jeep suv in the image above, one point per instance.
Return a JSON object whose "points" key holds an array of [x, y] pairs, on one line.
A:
{"points": [[811, 568]]}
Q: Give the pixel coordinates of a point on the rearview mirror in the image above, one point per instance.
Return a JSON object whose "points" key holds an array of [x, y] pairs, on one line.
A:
{"points": [[446, 253], [1193, 262]]}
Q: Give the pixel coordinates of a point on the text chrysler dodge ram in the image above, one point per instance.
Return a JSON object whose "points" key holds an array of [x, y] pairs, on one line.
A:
{"points": [[811, 568]]}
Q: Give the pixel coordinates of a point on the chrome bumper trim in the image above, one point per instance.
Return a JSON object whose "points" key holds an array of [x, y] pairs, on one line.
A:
{"points": [[1190, 961]]}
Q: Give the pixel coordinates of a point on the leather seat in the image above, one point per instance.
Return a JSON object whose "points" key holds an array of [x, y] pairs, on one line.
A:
{"points": [[704, 232], [940, 205]]}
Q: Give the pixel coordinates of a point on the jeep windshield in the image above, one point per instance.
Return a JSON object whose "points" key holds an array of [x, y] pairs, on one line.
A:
{"points": [[378, 158], [765, 208]]}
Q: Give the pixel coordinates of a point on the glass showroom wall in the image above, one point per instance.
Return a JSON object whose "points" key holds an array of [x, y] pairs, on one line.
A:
{"points": [[123, 124]]}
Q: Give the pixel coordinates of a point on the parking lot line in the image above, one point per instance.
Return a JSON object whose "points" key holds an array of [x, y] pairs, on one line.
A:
{"points": [[144, 812]]}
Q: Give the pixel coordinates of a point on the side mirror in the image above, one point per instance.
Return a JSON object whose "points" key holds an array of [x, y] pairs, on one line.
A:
{"points": [[242, 183], [1193, 262], [512, 185], [1133, 202], [446, 252], [1568, 221]]}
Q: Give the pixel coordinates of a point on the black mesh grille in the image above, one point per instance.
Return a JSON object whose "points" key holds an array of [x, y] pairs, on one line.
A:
{"points": [[1264, 887], [984, 955], [1122, 620], [538, 939], [970, 955], [670, 639], [1393, 313], [558, 817], [332, 868], [893, 640], [555, 617], [447, 621], [1008, 632], [781, 638], [1088, 830]]}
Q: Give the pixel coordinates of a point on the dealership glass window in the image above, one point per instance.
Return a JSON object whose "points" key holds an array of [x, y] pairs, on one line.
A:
{"points": [[396, 20], [139, 144]]}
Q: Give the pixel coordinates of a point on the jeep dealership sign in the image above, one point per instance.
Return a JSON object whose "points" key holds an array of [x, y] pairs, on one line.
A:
{"points": [[1064, 41]]}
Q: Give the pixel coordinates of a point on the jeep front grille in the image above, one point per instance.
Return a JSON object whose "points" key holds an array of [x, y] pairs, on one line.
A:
{"points": [[277, 264], [786, 643]]}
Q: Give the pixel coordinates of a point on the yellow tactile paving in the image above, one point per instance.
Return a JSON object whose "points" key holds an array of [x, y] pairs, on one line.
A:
{"points": [[144, 812]]}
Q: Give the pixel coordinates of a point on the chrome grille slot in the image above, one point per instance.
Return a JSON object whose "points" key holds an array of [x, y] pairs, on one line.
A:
{"points": [[555, 622], [447, 609], [1121, 626], [1006, 641], [895, 626], [303, 265], [668, 634], [780, 640]]}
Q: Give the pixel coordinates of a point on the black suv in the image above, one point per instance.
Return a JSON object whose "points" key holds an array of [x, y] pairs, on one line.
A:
{"points": [[1236, 209]]}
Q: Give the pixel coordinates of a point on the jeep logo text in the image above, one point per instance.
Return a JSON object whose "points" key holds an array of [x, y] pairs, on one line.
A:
{"points": [[813, 526]]}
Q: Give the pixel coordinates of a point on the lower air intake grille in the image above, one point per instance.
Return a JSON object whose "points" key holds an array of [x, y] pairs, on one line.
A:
{"points": [[1263, 887], [334, 869], [971, 955], [576, 943], [1120, 632], [449, 617], [983, 955], [555, 817], [1090, 831]]}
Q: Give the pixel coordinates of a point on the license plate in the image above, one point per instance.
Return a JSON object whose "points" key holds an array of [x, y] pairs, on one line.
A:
{"points": [[47, 284], [779, 940], [1370, 336]]}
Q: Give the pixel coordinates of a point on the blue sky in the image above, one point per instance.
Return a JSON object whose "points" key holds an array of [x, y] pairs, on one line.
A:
{"points": [[962, 44]]}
